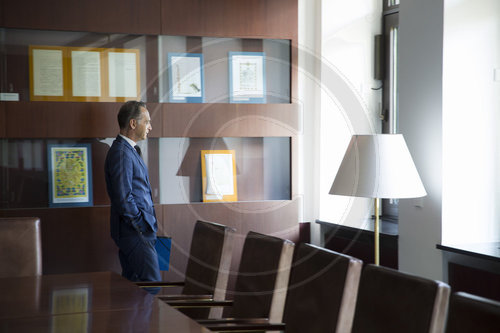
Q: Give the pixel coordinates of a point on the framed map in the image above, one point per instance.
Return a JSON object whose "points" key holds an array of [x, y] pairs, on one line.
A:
{"points": [[70, 175], [247, 77]]}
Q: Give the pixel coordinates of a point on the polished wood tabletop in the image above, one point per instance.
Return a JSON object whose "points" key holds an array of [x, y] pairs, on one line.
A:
{"points": [[86, 302]]}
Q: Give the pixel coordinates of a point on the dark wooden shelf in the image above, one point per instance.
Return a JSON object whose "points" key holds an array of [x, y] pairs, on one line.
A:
{"points": [[488, 251], [98, 119], [473, 268]]}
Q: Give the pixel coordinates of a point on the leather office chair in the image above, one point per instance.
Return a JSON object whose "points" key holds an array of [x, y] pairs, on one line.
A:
{"points": [[208, 265], [321, 295], [20, 247], [470, 313], [393, 301], [261, 282]]}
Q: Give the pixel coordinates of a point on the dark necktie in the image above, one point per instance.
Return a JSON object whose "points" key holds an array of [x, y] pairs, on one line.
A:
{"points": [[138, 149]]}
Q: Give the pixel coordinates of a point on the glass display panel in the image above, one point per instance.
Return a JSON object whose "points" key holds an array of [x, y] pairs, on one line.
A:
{"points": [[262, 167], [39, 65], [215, 69], [25, 175]]}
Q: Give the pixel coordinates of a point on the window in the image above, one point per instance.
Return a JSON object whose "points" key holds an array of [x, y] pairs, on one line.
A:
{"points": [[391, 5], [390, 103]]}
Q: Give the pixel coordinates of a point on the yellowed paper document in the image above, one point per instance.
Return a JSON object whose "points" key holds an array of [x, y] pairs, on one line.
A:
{"points": [[48, 72]]}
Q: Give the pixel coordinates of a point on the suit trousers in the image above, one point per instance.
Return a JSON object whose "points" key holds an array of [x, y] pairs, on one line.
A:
{"points": [[139, 259]]}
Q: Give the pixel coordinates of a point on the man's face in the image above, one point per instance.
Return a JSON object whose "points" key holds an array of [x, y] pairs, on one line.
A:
{"points": [[143, 125]]}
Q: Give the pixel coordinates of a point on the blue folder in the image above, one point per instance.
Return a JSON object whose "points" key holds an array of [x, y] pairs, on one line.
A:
{"points": [[163, 245]]}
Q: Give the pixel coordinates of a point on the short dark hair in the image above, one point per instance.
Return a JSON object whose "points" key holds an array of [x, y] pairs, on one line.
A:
{"points": [[129, 110]]}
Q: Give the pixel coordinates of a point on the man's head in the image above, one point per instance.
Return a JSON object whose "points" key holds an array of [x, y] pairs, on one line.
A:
{"points": [[134, 120]]}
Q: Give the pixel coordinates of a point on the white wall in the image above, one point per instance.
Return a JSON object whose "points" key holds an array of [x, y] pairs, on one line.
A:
{"points": [[471, 122], [420, 104], [309, 76]]}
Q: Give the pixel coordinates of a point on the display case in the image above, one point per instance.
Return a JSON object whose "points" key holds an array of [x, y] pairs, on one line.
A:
{"points": [[65, 66], [41, 65]]}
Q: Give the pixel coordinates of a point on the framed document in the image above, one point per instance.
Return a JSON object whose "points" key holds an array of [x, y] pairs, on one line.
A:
{"points": [[123, 74], [185, 78], [70, 175], [86, 73], [47, 73], [218, 168], [247, 77]]}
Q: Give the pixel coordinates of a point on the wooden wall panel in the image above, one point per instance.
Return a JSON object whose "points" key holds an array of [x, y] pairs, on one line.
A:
{"points": [[219, 120], [77, 120], [74, 239], [152, 69], [2, 13], [278, 218], [229, 18], [68, 119], [110, 16], [2, 120], [25, 120]]}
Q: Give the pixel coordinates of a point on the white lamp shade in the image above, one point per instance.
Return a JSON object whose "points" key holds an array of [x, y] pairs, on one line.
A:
{"points": [[378, 166]]}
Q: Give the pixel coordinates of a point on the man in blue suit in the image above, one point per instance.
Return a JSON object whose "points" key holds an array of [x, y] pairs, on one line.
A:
{"points": [[133, 218]]}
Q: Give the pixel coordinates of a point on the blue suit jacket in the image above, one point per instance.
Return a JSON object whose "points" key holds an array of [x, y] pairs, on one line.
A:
{"points": [[127, 182]]}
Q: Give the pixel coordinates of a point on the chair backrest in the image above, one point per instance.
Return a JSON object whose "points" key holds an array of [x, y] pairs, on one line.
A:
{"points": [[262, 280], [20, 247], [322, 291], [209, 260], [470, 313], [393, 301]]}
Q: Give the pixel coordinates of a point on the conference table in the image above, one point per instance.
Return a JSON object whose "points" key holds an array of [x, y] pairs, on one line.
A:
{"points": [[85, 302]]}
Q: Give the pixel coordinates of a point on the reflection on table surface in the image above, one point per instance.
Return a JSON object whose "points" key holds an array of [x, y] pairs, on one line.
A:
{"points": [[86, 302]]}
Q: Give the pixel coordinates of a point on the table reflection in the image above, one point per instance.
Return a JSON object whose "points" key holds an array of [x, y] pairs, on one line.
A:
{"points": [[70, 301]]}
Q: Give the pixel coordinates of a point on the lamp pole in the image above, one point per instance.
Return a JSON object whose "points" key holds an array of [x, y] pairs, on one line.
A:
{"points": [[376, 230]]}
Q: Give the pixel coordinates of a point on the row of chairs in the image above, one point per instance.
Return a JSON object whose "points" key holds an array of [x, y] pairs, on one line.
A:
{"points": [[304, 288], [316, 291]]}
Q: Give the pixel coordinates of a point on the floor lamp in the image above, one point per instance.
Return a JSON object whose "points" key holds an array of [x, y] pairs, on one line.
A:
{"points": [[378, 166]]}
